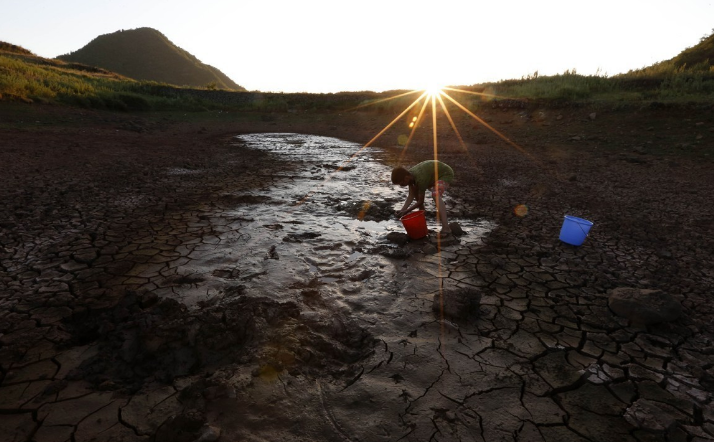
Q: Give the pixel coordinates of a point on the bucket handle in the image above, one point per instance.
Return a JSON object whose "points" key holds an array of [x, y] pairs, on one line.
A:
{"points": [[583, 230]]}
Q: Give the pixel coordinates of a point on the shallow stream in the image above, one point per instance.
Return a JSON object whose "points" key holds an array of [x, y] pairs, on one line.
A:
{"points": [[323, 224]]}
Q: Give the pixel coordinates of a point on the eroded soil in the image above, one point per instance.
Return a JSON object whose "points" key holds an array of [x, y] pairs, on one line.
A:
{"points": [[165, 279]]}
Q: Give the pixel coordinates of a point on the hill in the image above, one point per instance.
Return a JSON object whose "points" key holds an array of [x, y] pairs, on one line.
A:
{"points": [[25, 77], [11, 48], [698, 59], [701, 55], [146, 54]]}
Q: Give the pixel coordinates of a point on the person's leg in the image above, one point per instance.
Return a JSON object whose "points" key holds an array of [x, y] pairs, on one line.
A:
{"points": [[441, 212], [438, 195]]}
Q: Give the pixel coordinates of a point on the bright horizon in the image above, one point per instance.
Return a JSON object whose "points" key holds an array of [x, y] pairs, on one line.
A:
{"points": [[325, 46]]}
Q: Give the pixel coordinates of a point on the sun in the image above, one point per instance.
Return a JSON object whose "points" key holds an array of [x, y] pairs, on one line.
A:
{"points": [[434, 90], [436, 96]]}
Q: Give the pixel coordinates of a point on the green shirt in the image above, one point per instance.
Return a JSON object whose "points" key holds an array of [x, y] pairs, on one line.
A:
{"points": [[424, 174]]}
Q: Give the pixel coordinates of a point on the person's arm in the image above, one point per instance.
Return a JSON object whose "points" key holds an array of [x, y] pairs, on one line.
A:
{"points": [[418, 204], [401, 212]]}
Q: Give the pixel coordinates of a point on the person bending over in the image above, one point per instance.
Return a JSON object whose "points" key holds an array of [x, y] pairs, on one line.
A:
{"points": [[431, 175]]}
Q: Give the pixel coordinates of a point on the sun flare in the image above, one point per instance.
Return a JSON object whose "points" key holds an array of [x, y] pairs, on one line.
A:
{"points": [[435, 98], [434, 90]]}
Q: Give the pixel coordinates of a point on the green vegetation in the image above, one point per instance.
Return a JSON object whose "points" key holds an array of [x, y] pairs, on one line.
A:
{"points": [[569, 86], [34, 79], [687, 78], [7, 47], [146, 54], [29, 78]]}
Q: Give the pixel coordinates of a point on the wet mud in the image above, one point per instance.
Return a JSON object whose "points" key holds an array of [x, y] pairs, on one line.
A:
{"points": [[145, 340]]}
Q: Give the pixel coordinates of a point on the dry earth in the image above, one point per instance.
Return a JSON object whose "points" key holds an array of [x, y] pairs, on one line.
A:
{"points": [[92, 349]]}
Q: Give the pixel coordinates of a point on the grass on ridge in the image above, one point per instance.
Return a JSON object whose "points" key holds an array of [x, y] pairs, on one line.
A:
{"points": [[688, 78]]}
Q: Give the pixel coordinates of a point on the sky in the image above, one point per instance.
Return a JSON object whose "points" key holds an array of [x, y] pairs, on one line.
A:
{"points": [[377, 45]]}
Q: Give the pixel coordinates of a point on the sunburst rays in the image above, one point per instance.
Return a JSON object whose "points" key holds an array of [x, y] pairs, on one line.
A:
{"points": [[435, 97]]}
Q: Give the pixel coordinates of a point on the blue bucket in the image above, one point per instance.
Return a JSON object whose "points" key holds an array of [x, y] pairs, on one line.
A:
{"points": [[574, 230]]}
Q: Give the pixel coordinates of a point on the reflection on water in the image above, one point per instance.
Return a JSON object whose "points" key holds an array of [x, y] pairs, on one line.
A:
{"points": [[308, 227], [338, 175]]}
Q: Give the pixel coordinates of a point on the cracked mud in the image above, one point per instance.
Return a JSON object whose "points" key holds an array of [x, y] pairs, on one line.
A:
{"points": [[257, 287]]}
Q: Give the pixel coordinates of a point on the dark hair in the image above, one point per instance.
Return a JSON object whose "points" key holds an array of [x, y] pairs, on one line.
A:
{"points": [[398, 174]]}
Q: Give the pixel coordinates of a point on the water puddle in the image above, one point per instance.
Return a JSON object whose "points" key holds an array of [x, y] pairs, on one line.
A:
{"points": [[321, 227]]}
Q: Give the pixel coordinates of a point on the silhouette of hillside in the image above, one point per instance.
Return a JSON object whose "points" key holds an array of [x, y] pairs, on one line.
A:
{"points": [[701, 55], [698, 59], [8, 47], [146, 54]]}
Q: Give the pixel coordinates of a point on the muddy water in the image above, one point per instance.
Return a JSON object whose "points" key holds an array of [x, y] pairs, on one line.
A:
{"points": [[315, 237], [323, 224]]}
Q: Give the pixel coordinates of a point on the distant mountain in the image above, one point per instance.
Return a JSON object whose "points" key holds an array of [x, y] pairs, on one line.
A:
{"points": [[146, 54]]}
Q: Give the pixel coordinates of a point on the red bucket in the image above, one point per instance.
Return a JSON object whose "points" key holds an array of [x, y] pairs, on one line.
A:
{"points": [[415, 223]]}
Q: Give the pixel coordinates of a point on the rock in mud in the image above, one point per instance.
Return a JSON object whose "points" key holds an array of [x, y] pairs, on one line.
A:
{"points": [[398, 238], [456, 229], [429, 249], [361, 275], [643, 306], [389, 251], [368, 210], [300, 237], [448, 240], [457, 304]]}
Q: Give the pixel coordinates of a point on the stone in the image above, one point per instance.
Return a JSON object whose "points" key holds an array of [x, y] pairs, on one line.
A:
{"points": [[449, 240], [361, 275], [456, 229], [392, 252], [429, 249], [458, 304], [645, 307], [398, 238]]}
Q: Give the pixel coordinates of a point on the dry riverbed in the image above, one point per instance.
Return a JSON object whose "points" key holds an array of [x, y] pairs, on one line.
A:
{"points": [[225, 277]]}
